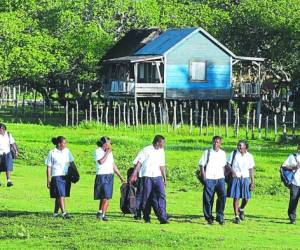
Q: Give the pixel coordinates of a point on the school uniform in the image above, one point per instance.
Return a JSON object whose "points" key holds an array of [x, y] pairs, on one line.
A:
{"points": [[240, 184], [59, 162], [214, 183], [6, 163], [295, 187], [104, 180], [152, 184]]}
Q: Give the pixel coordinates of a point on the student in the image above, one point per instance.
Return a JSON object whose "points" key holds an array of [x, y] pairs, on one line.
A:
{"points": [[105, 169], [151, 169], [6, 143], [242, 183], [293, 163], [58, 161], [213, 175]]}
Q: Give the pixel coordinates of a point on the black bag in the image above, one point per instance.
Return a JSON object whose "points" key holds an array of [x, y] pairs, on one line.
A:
{"points": [[286, 175], [73, 174], [2, 163], [128, 199], [198, 171], [228, 171]]}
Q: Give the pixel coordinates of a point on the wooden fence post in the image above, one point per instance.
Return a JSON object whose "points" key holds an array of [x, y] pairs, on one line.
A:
{"points": [[214, 121], [275, 126], [142, 114], [191, 119], [97, 113], [247, 124], [106, 114], [90, 104], [206, 121], [124, 114], [72, 117], [174, 116], [77, 111], [201, 120], [160, 116], [294, 124], [226, 126], [67, 113], [259, 126], [267, 127], [253, 123], [119, 115]]}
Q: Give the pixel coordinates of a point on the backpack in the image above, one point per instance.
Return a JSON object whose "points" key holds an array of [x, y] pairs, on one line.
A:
{"points": [[287, 176], [198, 171], [73, 174], [128, 199], [228, 172]]}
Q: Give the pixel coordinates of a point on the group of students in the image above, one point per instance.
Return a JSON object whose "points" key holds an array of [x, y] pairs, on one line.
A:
{"points": [[149, 175]]}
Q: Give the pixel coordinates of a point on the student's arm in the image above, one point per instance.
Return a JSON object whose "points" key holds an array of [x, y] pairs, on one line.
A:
{"points": [[104, 158], [163, 173], [48, 174], [251, 172], [117, 172], [137, 168]]}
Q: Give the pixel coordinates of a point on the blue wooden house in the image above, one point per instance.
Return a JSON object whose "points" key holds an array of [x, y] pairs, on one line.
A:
{"points": [[177, 64]]}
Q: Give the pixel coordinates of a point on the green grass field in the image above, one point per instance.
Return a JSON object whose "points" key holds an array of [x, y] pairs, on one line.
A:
{"points": [[26, 209]]}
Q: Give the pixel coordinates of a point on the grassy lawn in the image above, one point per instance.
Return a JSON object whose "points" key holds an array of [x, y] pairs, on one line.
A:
{"points": [[26, 208]]}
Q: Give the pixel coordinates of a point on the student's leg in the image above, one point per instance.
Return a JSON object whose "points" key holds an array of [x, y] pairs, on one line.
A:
{"points": [[294, 197], [208, 195], [104, 205], [61, 201], [159, 199], [236, 206], [147, 197], [56, 205], [244, 203], [221, 200]]}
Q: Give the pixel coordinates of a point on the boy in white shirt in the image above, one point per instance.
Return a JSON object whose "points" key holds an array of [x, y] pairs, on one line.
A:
{"points": [[151, 169], [212, 164]]}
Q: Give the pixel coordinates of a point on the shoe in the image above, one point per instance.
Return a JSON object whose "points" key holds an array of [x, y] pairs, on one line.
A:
{"points": [[236, 220], [147, 220], [136, 217], [221, 221], [293, 222], [104, 218], [55, 215], [210, 222], [241, 215], [66, 216], [164, 222], [99, 215], [9, 184]]}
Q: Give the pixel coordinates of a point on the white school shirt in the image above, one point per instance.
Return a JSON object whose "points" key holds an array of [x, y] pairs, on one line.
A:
{"points": [[241, 164], [59, 161], [291, 162], [108, 166], [151, 159], [136, 160], [5, 141], [216, 163]]}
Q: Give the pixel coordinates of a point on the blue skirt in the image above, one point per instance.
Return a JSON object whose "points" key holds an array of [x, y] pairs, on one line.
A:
{"points": [[6, 162], [239, 188], [60, 186], [103, 188]]}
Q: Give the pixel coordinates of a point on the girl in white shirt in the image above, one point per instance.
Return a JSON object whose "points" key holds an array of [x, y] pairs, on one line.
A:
{"points": [[58, 161], [105, 169], [7, 144]]}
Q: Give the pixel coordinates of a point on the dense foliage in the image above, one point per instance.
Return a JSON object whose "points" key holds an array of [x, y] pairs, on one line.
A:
{"points": [[52, 45]]}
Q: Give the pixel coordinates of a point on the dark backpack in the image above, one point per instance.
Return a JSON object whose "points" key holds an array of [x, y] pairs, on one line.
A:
{"points": [[128, 198], [198, 171], [287, 176], [228, 172], [73, 174]]}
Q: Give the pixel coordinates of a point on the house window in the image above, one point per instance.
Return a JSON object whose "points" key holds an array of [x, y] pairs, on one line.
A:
{"points": [[197, 71], [141, 70]]}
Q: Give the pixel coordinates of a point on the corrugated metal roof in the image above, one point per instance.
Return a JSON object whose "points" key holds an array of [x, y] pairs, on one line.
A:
{"points": [[133, 58], [165, 41]]}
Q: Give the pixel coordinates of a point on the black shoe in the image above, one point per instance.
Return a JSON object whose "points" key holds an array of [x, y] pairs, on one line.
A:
{"points": [[9, 184], [147, 220], [241, 215], [136, 217], [210, 222], [99, 215], [164, 222], [293, 222], [66, 216], [221, 221], [104, 218], [236, 220]]}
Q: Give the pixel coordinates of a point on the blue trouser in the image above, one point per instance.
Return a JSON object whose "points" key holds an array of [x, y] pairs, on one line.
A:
{"points": [[139, 193], [211, 187], [154, 195], [294, 198]]}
